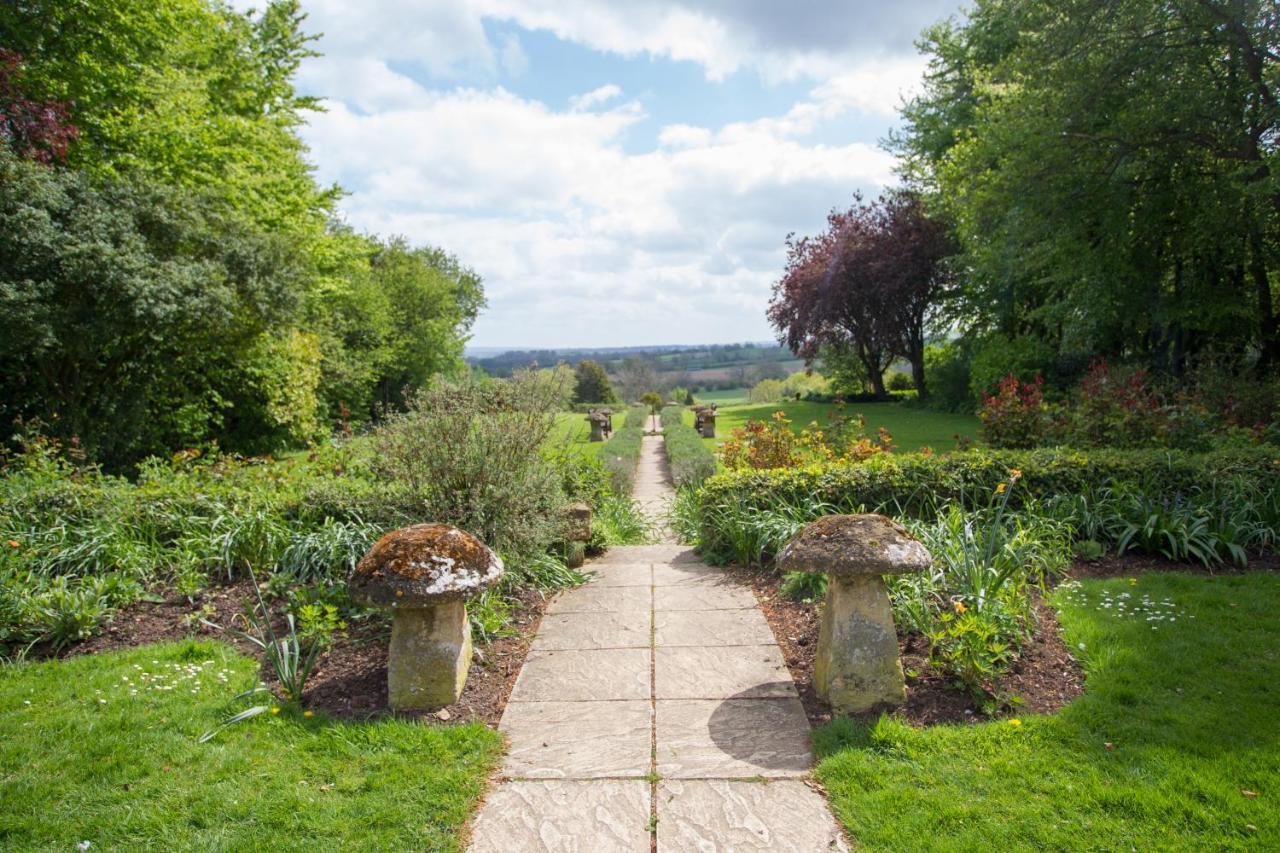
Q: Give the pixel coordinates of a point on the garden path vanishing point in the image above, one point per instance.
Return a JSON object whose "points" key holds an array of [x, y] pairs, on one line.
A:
{"points": [[654, 711]]}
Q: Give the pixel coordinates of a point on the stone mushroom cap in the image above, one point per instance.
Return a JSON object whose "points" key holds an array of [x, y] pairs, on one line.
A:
{"points": [[854, 545], [424, 564]]}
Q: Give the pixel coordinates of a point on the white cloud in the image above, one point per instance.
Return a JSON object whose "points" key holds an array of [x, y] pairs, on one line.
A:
{"points": [[601, 95], [577, 239], [580, 237]]}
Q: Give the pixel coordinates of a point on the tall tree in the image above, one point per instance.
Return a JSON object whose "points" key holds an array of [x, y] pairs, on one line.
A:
{"points": [[866, 289], [1111, 168], [592, 384]]}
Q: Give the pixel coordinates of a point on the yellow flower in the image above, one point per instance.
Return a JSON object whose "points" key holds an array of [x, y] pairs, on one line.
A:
{"points": [[308, 713], [1000, 488], [1015, 722], [1133, 581], [275, 709], [960, 608], [1015, 475]]}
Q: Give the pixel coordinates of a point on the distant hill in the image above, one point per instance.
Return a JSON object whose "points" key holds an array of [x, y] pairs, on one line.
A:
{"points": [[666, 359]]}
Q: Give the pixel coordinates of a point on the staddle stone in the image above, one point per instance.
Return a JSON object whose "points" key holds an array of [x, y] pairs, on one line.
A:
{"points": [[425, 573], [857, 666]]}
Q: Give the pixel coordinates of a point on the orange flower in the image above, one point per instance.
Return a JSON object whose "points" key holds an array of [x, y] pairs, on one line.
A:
{"points": [[960, 608], [13, 543], [1015, 475]]}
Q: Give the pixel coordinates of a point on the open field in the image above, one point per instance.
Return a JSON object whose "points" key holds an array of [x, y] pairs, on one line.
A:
{"points": [[102, 749], [1173, 745], [911, 428]]}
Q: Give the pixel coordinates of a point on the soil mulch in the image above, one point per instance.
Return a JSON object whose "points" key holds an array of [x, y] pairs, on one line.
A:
{"points": [[1045, 678], [350, 678], [1127, 565]]}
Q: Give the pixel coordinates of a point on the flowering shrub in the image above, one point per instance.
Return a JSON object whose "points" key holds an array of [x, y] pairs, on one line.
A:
{"points": [[1016, 415], [1115, 407], [763, 445]]}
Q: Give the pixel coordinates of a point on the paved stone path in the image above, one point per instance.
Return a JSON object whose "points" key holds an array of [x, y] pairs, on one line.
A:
{"points": [[653, 488], [654, 711]]}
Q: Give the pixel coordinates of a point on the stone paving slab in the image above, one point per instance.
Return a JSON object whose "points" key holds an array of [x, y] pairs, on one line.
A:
{"points": [[743, 738], [582, 675], [602, 599], [629, 629], [684, 672], [668, 553], [713, 596], [578, 740], [620, 574], [602, 816], [710, 816], [710, 628], [677, 574]]}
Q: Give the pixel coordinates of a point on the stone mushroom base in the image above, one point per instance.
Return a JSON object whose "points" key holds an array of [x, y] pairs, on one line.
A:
{"points": [[429, 656], [857, 665]]}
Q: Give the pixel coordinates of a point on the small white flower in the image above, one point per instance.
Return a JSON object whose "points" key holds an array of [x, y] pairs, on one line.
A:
{"points": [[84, 845], [1081, 646]]}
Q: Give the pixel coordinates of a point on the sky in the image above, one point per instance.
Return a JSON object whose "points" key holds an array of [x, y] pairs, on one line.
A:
{"points": [[619, 173]]}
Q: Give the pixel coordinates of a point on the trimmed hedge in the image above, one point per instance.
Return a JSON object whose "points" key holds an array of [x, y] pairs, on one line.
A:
{"points": [[691, 460], [915, 480], [621, 453], [915, 484], [746, 515]]}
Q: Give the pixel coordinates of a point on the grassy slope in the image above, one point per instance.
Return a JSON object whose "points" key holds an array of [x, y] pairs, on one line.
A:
{"points": [[127, 773], [1189, 707], [911, 428]]}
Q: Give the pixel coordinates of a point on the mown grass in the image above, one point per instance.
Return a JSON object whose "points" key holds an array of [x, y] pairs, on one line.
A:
{"points": [[1187, 701], [911, 428], [573, 431], [84, 759]]}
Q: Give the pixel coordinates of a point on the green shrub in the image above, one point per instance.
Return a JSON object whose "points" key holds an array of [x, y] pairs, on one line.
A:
{"points": [[899, 381], [736, 509], [621, 453], [690, 459], [471, 454]]}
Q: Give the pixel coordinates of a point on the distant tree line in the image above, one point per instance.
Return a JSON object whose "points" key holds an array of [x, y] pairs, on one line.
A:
{"points": [[171, 273]]}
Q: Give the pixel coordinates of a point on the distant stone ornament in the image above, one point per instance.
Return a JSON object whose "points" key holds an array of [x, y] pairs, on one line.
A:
{"points": [[601, 421], [425, 573], [577, 534], [857, 666], [704, 421]]}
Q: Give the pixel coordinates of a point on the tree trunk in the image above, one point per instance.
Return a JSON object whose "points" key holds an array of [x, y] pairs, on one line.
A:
{"points": [[1268, 334], [917, 372]]}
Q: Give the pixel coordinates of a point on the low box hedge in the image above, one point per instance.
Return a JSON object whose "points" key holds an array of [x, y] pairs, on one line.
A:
{"points": [[621, 453], [691, 460], [915, 481]]}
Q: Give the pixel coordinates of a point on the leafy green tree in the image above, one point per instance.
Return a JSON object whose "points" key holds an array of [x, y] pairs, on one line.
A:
{"points": [[592, 384], [1111, 170], [127, 308], [185, 92]]}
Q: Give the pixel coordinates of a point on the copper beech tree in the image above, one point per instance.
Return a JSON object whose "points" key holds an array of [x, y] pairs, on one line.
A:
{"points": [[867, 288]]}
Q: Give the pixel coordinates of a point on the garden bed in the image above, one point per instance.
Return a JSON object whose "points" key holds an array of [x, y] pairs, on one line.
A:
{"points": [[350, 679], [1045, 678]]}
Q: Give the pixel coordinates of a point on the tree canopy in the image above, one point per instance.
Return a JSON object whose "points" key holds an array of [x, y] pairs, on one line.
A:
{"points": [[171, 275], [1110, 169]]}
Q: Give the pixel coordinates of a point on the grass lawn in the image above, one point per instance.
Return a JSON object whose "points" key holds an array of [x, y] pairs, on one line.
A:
{"points": [[85, 758], [911, 428], [726, 397], [1187, 701], [572, 429]]}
